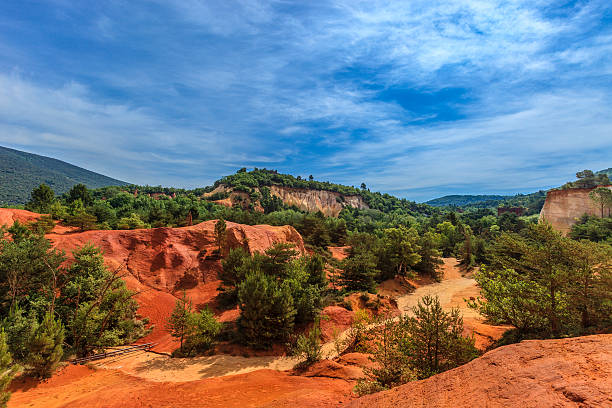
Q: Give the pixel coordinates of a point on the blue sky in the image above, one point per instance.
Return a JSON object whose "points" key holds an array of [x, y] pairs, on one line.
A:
{"points": [[415, 98]]}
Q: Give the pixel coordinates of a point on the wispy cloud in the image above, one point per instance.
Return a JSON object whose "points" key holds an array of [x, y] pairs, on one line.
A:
{"points": [[181, 92]]}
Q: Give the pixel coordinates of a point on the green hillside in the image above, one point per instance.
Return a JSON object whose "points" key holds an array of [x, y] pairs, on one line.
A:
{"points": [[20, 172], [463, 200], [607, 172]]}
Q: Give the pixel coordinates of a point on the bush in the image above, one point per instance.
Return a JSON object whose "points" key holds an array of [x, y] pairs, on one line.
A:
{"points": [[308, 347]]}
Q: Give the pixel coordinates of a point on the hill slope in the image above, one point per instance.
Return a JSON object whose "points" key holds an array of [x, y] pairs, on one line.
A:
{"points": [[20, 172], [572, 372]]}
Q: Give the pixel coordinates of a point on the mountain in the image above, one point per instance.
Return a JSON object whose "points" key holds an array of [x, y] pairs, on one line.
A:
{"points": [[20, 172]]}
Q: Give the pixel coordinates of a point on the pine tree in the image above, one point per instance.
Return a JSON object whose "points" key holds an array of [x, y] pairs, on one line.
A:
{"points": [[178, 322], [220, 229], [358, 272], [434, 340], [267, 312], [7, 369], [46, 347]]}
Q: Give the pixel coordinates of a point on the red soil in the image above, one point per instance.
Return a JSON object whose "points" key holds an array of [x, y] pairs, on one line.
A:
{"points": [[9, 215], [82, 387], [573, 372], [339, 253], [160, 263]]}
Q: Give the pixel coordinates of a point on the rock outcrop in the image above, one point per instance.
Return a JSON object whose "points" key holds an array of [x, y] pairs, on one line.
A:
{"points": [[330, 203], [563, 208], [162, 262], [573, 372]]}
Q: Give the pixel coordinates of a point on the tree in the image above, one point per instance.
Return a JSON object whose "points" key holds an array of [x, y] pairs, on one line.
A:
{"points": [[179, 321], [80, 192], [41, 199], [546, 285], [399, 252], [363, 186], [358, 272], [430, 255], [82, 220], [591, 292], [602, 196], [267, 313], [434, 340], [201, 331], [7, 369], [392, 366], [95, 304], [311, 178], [46, 347], [220, 229]]}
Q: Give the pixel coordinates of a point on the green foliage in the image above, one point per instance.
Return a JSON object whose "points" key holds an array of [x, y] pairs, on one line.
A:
{"points": [[43, 225], [220, 232], [267, 311], [98, 309], [399, 252], [430, 255], [392, 365], [202, 331], [587, 179], [132, 222], [593, 228], [28, 264], [307, 347], [45, 347], [433, 341], [7, 369], [178, 322], [546, 285], [80, 192], [41, 199], [358, 272], [602, 196]]}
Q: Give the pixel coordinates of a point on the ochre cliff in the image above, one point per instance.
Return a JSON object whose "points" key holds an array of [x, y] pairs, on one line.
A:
{"points": [[329, 203], [563, 208]]}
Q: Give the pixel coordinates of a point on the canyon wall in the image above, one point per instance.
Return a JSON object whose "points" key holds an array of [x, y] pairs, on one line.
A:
{"points": [[563, 208]]}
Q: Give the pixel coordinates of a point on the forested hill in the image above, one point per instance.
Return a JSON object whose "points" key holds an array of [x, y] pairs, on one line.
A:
{"points": [[20, 172], [463, 200]]}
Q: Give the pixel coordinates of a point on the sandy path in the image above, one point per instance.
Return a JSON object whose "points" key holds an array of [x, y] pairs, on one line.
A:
{"points": [[451, 292]]}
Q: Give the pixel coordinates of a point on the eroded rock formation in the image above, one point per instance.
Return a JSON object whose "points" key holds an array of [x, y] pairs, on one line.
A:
{"points": [[563, 208]]}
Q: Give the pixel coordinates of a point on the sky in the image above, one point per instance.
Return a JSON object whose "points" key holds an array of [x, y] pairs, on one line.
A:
{"points": [[415, 98]]}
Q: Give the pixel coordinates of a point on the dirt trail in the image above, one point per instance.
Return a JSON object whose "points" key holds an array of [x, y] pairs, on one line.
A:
{"points": [[451, 291]]}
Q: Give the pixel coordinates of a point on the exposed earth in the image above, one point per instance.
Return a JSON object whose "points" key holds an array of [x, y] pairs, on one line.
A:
{"points": [[162, 262]]}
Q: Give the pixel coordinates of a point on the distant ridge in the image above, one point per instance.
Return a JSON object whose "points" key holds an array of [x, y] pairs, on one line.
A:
{"points": [[466, 199], [20, 172]]}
